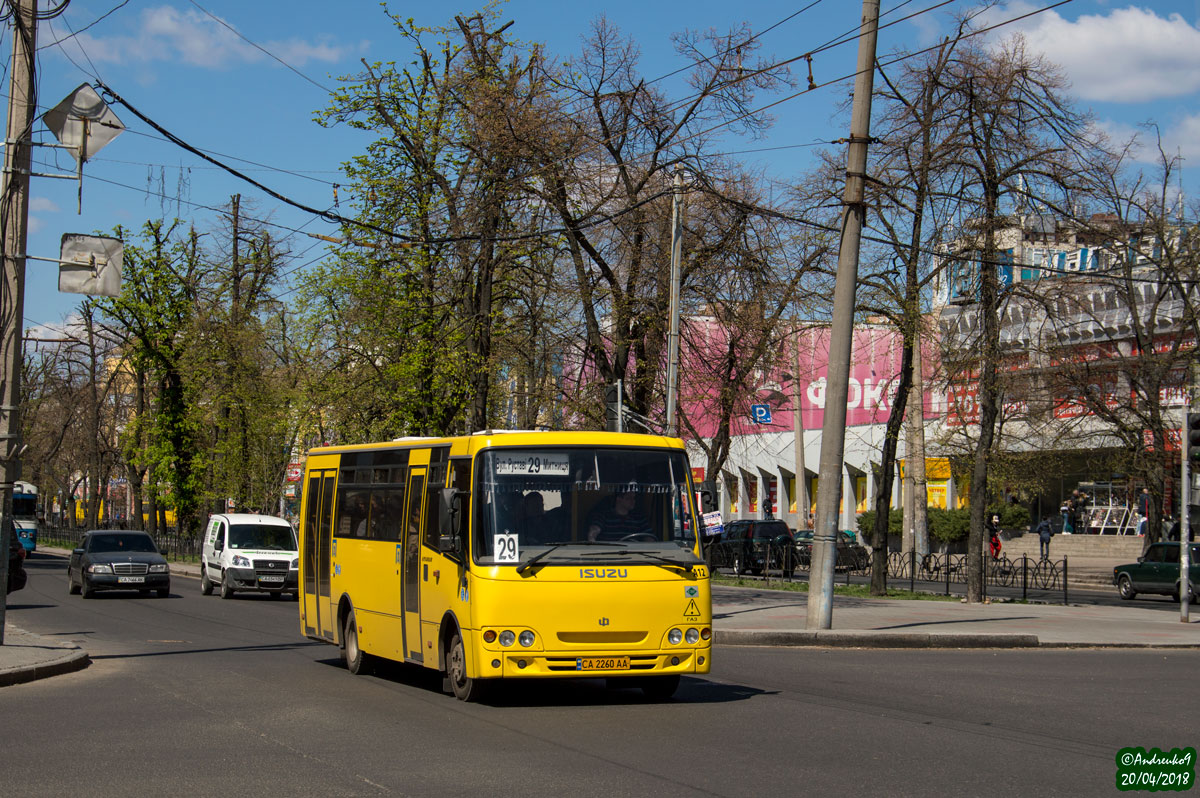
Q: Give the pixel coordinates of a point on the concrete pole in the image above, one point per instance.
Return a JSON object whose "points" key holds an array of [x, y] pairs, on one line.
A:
{"points": [[14, 216], [1185, 479], [676, 257], [798, 428], [833, 435]]}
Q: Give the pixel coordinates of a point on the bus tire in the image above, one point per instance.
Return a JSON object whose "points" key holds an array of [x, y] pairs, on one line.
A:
{"points": [[660, 688], [356, 661], [464, 687], [206, 585]]}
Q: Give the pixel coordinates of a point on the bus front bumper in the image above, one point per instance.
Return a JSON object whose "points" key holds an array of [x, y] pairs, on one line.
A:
{"points": [[514, 664]]}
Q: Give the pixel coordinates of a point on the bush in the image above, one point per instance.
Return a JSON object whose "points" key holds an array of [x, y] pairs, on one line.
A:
{"points": [[866, 524], [947, 526]]}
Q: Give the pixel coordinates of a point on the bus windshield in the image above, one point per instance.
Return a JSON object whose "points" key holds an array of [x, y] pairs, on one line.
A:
{"points": [[576, 504]]}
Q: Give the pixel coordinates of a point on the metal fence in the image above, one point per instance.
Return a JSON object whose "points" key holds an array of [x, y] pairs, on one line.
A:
{"points": [[784, 558], [172, 544]]}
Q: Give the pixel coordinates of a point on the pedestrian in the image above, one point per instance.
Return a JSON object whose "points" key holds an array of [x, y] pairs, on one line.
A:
{"points": [[994, 536], [1067, 513], [1044, 532]]}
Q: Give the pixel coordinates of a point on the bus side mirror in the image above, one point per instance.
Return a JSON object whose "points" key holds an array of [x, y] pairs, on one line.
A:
{"points": [[450, 517], [708, 496]]}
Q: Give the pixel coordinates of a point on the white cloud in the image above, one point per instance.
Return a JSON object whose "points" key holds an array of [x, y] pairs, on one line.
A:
{"points": [[1180, 137], [168, 34], [1129, 55], [42, 205]]}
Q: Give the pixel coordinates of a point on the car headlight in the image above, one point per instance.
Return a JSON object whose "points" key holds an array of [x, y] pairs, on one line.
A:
{"points": [[525, 638], [674, 637], [159, 568], [240, 561], [99, 568], [296, 564], [506, 638]]}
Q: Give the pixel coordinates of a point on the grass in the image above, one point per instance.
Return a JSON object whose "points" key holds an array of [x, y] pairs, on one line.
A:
{"points": [[853, 591]]}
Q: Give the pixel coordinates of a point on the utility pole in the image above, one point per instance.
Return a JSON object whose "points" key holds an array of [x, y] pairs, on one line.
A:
{"points": [[833, 431], [14, 217], [802, 502], [673, 340]]}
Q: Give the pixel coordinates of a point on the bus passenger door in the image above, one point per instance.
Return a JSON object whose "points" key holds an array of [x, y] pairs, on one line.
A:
{"points": [[318, 538], [412, 565]]}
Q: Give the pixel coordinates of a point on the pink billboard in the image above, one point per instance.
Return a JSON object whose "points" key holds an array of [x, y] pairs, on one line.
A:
{"points": [[874, 372]]}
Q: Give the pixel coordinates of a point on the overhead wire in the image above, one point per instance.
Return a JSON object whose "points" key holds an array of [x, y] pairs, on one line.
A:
{"points": [[406, 239], [258, 47], [95, 21]]}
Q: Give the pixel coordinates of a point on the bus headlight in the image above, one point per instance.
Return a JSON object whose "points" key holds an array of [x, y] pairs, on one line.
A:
{"points": [[674, 636], [526, 638], [507, 638], [692, 636]]}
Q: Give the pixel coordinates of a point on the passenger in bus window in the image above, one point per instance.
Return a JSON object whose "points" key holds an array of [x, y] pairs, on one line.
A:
{"points": [[621, 520], [533, 518]]}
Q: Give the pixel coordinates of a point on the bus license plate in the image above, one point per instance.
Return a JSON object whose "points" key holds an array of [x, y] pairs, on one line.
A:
{"points": [[130, 580], [602, 664], [278, 578]]}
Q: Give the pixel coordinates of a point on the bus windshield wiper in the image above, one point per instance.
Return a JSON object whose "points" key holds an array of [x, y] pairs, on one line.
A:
{"points": [[529, 561], [687, 566]]}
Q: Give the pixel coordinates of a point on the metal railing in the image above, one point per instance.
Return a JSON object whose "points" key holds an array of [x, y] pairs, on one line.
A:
{"points": [[762, 557], [172, 544]]}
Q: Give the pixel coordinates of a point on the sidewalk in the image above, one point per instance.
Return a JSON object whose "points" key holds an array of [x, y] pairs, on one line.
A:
{"points": [[750, 616]]}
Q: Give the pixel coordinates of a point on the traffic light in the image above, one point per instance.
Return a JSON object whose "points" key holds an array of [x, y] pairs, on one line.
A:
{"points": [[612, 407], [1192, 439], [708, 496]]}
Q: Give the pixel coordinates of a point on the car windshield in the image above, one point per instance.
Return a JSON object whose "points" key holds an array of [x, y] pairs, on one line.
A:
{"points": [[118, 542], [581, 504], [275, 537], [771, 531]]}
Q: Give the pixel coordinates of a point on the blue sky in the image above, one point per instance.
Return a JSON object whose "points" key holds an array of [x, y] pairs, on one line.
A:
{"points": [[1129, 62]]}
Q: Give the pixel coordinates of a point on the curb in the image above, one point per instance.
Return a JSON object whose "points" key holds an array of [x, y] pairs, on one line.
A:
{"points": [[75, 659], [871, 639]]}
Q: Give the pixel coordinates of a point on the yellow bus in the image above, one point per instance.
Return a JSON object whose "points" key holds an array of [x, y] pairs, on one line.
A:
{"points": [[508, 555]]}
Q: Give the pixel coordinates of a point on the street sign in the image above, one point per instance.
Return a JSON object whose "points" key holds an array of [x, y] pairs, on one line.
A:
{"points": [[90, 265], [760, 414], [83, 122]]}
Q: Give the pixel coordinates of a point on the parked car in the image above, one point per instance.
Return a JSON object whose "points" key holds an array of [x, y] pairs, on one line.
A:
{"points": [[849, 554], [1157, 571], [754, 545], [249, 552], [26, 532], [117, 560], [16, 564]]}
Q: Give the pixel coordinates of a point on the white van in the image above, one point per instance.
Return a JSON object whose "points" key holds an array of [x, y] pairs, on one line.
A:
{"points": [[249, 552]]}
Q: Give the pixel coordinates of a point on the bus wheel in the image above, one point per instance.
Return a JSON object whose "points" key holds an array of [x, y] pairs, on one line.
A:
{"points": [[465, 688], [660, 688], [356, 660]]}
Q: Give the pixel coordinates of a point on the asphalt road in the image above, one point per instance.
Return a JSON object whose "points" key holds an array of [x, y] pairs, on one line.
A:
{"points": [[194, 695]]}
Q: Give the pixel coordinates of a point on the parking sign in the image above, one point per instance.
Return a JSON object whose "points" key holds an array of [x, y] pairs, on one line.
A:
{"points": [[760, 414]]}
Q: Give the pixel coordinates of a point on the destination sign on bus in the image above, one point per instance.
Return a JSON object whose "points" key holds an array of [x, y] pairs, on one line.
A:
{"points": [[534, 463]]}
